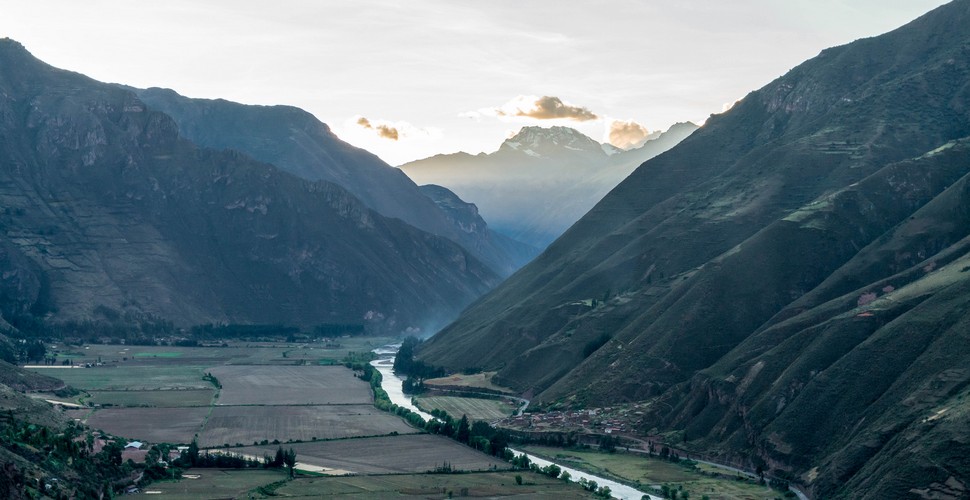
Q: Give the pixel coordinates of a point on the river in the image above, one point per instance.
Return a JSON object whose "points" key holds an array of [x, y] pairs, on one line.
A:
{"points": [[392, 384]]}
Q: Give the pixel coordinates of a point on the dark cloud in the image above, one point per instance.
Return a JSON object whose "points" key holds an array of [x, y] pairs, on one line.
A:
{"points": [[627, 134], [385, 131], [545, 108]]}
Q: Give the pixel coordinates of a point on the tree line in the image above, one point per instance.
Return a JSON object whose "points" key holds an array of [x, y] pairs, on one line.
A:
{"points": [[416, 371]]}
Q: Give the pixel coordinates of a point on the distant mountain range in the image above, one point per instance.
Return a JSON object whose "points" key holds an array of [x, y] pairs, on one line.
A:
{"points": [[540, 181], [295, 141], [788, 288], [110, 213]]}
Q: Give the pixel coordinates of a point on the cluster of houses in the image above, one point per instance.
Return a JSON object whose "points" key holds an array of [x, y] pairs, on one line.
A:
{"points": [[609, 420]]}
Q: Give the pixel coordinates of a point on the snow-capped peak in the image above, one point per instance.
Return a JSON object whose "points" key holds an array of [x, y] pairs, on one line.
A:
{"points": [[545, 142]]}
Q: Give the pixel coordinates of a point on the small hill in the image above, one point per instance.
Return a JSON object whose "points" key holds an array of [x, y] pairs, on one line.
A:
{"points": [[21, 380]]}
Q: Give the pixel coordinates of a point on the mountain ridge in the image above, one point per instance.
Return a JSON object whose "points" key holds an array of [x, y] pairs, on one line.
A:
{"points": [[540, 180], [786, 287], [295, 141], [107, 208]]}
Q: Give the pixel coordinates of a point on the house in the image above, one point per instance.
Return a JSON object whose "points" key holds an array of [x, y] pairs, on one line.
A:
{"points": [[134, 444]]}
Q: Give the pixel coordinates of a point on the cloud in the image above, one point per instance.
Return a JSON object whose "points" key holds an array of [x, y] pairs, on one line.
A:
{"points": [[395, 131], [628, 134], [384, 130], [538, 108], [388, 132]]}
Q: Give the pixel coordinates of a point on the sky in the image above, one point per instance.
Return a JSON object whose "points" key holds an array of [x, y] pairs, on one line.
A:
{"points": [[411, 79]]}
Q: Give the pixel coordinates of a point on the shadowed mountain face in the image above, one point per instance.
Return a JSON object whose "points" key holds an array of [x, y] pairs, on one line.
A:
{"points": [[106, 207], [542, 180], [297, 142], [788, 286]]}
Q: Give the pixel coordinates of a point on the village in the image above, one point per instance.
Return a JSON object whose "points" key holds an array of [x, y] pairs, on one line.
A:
{"points": [[613, 420]]}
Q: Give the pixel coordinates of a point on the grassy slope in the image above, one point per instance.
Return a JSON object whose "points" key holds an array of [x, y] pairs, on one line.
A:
{"points": [[26, 380]]}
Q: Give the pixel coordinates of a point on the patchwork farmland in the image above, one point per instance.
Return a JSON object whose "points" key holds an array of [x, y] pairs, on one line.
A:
{"points": [[257, 392], [250, 399]]}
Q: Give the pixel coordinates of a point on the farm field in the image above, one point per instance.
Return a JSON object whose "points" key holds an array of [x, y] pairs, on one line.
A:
{"points": [[130, 377], [155, 425], [475, 381], [285, 392], [143, 355], [656, 472], [417, 453], [158, 398], [234, 352], [246, 424], [485, 484], [288, 385], [158, 394], [214, 483], [476, 408]]}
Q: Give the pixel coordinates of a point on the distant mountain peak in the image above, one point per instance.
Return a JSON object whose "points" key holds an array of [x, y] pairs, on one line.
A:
{"points": [[542, 142]]}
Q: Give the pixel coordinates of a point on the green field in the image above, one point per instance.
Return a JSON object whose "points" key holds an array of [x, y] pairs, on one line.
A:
{"points": [[158, 398], [130, 377], [234, 353], [476, 408], [477, 485], [655, 472], [166, 354], [213, 483]]}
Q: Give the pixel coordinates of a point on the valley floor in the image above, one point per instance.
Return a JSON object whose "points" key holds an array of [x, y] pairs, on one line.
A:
{"points": [[249, 398]]}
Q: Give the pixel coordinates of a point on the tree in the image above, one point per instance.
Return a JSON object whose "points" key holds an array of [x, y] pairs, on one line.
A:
{"points": [[289, 458], [464, 431], [552, 470], [405, 355], [518, 479], [498, 443], [36, 351], [608, 443], [192, 454], [111, 453], [277, 461]]}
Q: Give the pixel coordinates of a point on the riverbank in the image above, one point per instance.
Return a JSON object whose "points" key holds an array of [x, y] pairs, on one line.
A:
{"points": [[392, 385]]}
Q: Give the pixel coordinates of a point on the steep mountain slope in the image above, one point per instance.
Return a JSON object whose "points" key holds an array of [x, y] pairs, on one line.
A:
{"points": [[107, 208], [788, 284], [541, 180], [297, 142], [464, 216]]}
